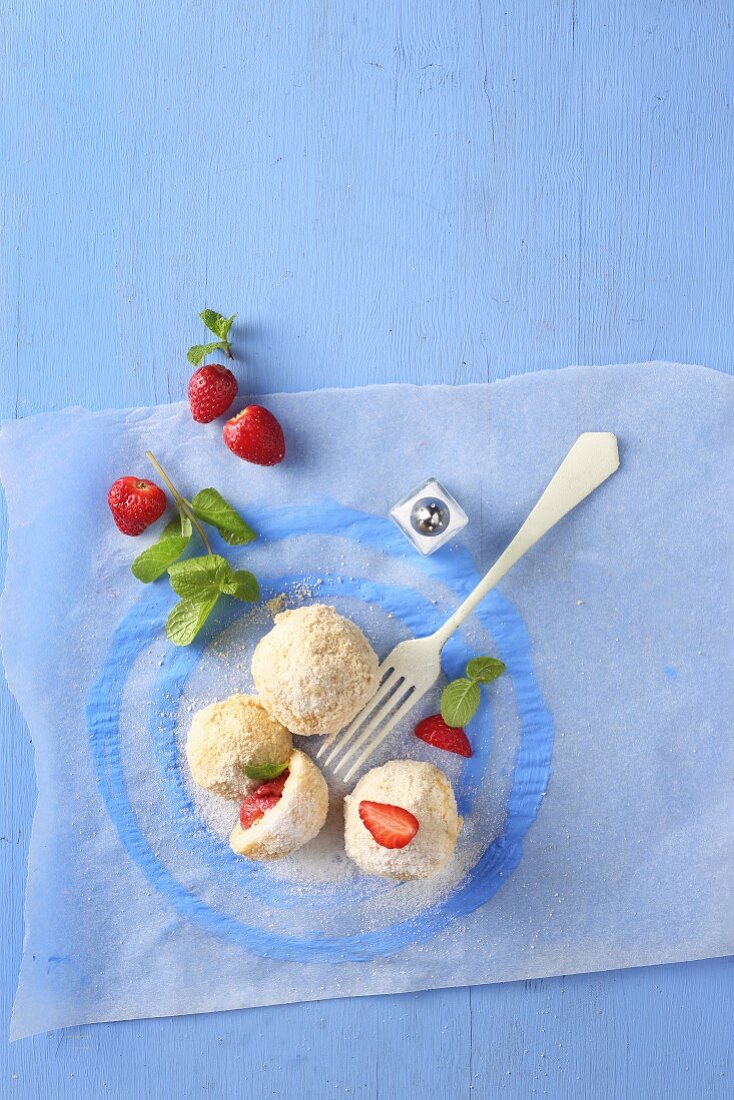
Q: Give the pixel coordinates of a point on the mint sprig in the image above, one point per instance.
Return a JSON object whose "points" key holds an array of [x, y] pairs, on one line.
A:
{"points": [[211, 507], [187, 618], [220, 326], [201, 580], [484, 669], [153, 562], [459, 701], [242, 585], [461, 697]]}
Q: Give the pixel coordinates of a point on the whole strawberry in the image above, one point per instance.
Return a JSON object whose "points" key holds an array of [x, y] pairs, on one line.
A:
{"points": [[255, 435], [135, 503], [212, 389]]}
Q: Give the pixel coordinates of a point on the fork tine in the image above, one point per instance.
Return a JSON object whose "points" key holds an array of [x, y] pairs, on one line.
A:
{"points": [[407, 705], [377, 719], [387, 685]]}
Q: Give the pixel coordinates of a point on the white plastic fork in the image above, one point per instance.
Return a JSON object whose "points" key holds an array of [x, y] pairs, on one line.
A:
{"points": [[413, 667]]}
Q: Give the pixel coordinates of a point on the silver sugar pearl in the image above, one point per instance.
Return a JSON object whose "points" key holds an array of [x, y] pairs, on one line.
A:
{"points": [[430, 516]]}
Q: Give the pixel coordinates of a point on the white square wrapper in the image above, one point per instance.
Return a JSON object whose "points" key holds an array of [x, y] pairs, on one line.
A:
{"points": [[617, 632]]}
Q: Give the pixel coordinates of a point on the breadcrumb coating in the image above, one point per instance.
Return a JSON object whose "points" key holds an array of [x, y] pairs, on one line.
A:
{"points": [[226, 736], [420, 788], [297, 818], [315, 670]]}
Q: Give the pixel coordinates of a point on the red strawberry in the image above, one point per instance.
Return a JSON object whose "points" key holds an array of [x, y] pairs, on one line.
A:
{"points": [[391, 826], [255, 435], [434, 731], [254, 807], [273, 787], [135, 503], [263, 798], [212, 389]]}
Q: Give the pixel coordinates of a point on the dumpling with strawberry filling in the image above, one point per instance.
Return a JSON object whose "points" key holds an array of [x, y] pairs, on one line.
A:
{"points": [[401, 820], [230, 738], [282, 814]]}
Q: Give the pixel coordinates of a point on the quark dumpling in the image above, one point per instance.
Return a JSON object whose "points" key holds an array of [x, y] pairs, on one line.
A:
{"points": [[226, 736], [315, 670], [295, 819], [425, 792]]}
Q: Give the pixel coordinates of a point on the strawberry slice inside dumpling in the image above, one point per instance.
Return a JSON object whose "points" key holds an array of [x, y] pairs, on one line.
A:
{"points": [[262, 799], [391, 826], [282, 814], [273, 787]]}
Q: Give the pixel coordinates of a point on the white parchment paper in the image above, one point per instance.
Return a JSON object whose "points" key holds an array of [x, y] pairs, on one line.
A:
{"points": [[618, 699]]}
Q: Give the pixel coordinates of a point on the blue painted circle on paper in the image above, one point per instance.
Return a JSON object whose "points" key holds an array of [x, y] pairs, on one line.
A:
{"points": [[530, 776]]}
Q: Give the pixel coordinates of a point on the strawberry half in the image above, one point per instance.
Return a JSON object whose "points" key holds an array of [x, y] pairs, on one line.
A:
{"points": [[434, 731], [262, 799], [255, 435], [135, 503], [212, 389], [390, 826]]}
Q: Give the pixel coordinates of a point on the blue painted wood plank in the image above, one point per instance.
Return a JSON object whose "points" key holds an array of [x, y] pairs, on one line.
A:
{"points": [[385, 191]]}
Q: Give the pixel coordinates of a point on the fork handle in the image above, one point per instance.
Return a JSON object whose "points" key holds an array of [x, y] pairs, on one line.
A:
{"points": [[592, 459]]}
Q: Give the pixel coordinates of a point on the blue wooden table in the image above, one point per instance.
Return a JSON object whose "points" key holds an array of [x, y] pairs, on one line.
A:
{"points": [[383, 190]]}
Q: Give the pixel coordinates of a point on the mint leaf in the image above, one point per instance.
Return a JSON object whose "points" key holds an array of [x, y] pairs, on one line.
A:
{"points": [[459, 701], [199, 352], [242, 585], [216, 323], [211, 507], [264, 771], [199, 578], [153, 562], [187, 618], [484, 669]]}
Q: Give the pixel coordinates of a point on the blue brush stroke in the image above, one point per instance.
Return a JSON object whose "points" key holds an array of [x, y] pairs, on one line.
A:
{"points": [[530, 777]]}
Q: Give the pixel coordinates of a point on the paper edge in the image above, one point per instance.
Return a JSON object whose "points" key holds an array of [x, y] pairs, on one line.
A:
{"points": [[10, 425], [673, 960]]}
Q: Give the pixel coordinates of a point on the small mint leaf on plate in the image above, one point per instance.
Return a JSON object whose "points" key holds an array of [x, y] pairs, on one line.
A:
{"points": [[187, 618], [211, 507], [216, 323], [264, 771], [199, 578], [153, 562], [242, 585], [484, 669], [459, 701], [199, 352]]}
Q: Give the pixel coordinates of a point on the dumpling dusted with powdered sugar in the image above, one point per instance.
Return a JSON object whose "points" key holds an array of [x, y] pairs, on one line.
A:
{"points": [[401, 820], [230, 735], [283, 814], [315, 670]]}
